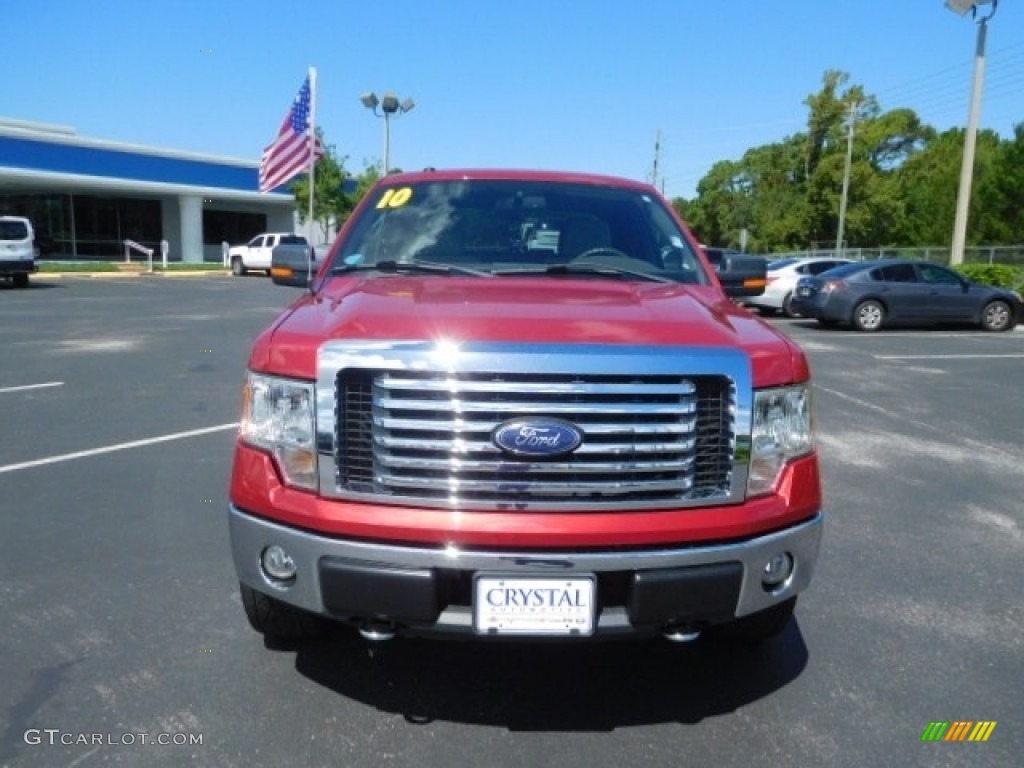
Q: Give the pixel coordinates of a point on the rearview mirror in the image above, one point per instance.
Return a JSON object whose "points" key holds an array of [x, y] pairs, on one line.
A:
{"points": [[290, 265]]}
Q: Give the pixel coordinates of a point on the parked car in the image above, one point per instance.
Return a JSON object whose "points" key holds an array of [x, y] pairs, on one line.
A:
{"points": [[298, 257], [717, 257], [17, 249], [872, 295], [257, 253], [783, 275]]}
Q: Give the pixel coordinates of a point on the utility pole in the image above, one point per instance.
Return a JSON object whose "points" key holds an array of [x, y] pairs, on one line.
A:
{"points": [[657, 158], [963, 198], [846, 182]]}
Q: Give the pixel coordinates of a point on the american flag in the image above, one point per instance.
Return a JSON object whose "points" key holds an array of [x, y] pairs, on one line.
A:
{"points": [[289, 154]]}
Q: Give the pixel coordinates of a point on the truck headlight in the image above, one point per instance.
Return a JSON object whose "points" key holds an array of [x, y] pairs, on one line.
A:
{"points": [[782, 430], [277, 416]]}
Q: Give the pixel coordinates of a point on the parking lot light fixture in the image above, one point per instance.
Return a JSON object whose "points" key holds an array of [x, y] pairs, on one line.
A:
{"points": [[389, 106], [962, 7], [963, 199]]}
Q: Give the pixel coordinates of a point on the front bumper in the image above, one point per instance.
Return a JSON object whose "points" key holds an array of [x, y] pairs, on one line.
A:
{"points": [[427, 590], [18, 267]]}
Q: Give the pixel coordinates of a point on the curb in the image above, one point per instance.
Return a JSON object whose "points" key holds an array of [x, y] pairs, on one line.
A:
{"points": [[129, 275]]}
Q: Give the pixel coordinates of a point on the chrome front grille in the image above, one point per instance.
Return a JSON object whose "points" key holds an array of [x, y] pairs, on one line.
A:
{"points": [[425, 437]]}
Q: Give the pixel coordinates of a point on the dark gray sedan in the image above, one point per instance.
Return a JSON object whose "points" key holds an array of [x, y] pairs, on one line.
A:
{"points": [[874, 294]]}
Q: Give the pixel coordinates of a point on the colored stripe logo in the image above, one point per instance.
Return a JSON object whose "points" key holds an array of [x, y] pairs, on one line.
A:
{"points": [[958, 730]]}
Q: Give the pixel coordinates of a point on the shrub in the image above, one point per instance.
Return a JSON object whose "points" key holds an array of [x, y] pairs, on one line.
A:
{"points": [[999, 275]]}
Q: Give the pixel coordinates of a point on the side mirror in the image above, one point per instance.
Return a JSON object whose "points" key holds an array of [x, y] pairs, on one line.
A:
{"points": [[290, 265], [742, 275]]}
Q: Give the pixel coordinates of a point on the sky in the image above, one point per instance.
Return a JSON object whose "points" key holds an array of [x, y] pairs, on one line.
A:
{"points": [[539, 84]]}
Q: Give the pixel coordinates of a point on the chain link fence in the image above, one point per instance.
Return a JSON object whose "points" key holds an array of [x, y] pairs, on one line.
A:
{"points": [[1012, 255]]}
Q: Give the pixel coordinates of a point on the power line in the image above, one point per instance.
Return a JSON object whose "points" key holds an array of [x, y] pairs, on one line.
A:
{"points": [[941, 92]]}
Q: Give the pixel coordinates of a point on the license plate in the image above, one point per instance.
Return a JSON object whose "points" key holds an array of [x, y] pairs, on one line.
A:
{"points": [[517, 605]]}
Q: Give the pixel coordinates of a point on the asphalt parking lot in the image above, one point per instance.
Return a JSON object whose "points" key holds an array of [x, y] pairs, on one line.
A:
{"points": [[118, 404]]}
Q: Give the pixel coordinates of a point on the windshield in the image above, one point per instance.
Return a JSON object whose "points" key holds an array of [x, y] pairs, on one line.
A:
{"points": [[13, 230], [780, 263], [506, 227], [845, 269]]}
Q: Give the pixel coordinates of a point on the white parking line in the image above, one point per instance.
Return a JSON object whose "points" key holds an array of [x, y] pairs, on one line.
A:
{"points": [[943, 357], [117, 447], [31, 386], [925, 335], [924, 425]]}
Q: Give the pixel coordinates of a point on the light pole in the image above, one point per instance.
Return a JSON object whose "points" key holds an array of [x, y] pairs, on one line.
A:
{"points": [[963, 199], [389, 105]]}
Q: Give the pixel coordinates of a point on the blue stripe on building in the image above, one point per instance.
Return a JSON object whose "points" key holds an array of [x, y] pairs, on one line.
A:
{"points": [[34, 155]]}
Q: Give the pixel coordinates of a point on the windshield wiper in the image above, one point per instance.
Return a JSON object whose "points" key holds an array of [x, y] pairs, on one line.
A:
{"points": [[602, 270], [417, 267]]}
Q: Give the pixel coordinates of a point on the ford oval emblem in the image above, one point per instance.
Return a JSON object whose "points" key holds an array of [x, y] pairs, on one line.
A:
{"points": [[543, 438]]}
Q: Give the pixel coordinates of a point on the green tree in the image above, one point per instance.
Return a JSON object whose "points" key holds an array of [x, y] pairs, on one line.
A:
{"points": [[1009, 183], [931, 183], [775, 210], [711, 214], [331, 204], [904, 178], [366, 180], [829, 109]]}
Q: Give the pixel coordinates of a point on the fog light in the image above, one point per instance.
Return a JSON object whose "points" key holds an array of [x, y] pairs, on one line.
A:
{"points": [[278, 564], [777, 570]]}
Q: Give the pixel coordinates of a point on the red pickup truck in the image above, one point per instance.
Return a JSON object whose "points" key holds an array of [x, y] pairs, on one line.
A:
{"points": [[521, 404]]}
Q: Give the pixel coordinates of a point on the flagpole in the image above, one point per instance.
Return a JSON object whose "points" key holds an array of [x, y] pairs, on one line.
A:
{"points": [[312, 171]]}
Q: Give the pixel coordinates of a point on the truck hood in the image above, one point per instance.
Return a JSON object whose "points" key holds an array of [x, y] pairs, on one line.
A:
{"points": [[530, 310]]}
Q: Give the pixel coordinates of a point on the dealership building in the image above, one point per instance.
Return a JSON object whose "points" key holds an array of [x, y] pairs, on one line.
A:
{"points": [[86, 197]]}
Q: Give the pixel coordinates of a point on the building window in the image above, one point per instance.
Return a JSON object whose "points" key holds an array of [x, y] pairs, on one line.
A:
{"points": [[232, 227]]}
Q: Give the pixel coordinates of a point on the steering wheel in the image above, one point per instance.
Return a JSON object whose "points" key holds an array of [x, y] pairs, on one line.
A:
{"points": [[603, 249]]}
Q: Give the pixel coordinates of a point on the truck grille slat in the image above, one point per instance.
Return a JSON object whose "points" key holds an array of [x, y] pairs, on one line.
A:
{"points": [[456, 467], [460, 426], [510, 486], [462, 447], [426, 436], [448, 386], [518, 405]]}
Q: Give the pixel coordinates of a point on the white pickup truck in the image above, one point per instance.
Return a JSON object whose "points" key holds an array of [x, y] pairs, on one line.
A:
{"points": [[256, 254]]}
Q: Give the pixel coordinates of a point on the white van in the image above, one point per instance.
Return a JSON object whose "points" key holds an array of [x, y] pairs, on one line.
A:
{"points": [[17, 249]]}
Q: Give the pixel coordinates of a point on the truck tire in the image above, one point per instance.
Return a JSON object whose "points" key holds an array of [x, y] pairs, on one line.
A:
{"points": [[279, 621], [238, 268], [758, 627], [20, 280]]}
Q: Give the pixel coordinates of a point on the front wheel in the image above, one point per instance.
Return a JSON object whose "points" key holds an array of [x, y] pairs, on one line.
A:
{"points": [[997, 316], [759, 627], [278, 621], [787, 306], [868, 316], [20, 280], [237, 267]]}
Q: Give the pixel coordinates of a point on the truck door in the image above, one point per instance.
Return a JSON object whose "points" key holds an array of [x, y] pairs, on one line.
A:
{"points": [[261, 254]]}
